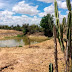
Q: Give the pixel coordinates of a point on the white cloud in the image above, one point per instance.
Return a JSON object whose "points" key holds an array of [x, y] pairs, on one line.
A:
{"points": [[47, 10], [50, 10], [6, 13], [61, 17], [7, 4], [47, 1], [25, 8], [63, 4], [67, 12], [42, 14], [7, 18]]}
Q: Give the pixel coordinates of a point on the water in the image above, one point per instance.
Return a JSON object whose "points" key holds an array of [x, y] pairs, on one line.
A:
{"points": [[17, 42]]}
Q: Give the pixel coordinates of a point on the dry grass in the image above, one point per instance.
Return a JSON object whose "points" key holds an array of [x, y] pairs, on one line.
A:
{"points": [[8, 33], [38, 37], [33, 59]]}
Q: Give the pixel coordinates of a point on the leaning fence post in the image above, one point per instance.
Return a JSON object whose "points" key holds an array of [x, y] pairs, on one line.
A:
{"points": [[55, 49]]}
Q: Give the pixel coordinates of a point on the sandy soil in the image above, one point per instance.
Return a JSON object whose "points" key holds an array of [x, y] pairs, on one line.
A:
{"points": [[8, 33], [33, 59]]}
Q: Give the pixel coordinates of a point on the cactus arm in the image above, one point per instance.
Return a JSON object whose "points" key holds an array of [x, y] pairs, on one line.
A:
{"points": [[68, 5], [64, 22], [56, 9]]}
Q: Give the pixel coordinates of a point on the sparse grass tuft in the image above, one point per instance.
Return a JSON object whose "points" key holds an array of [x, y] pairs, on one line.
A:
{"points": [[20, 46], [20, 35]]}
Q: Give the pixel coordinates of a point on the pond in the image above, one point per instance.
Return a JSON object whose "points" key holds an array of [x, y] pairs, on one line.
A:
{"points": [[17, 42]]}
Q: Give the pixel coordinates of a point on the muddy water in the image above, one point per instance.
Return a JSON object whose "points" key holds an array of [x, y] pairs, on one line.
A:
{"points": [[13, 42]]}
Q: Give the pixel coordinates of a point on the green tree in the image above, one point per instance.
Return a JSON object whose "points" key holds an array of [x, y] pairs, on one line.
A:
{"points": [[18, 28], [34, 28], [25, 28], [47, 23]]}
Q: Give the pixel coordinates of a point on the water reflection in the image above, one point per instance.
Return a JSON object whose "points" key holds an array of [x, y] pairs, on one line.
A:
{"points": [[16, 42]]}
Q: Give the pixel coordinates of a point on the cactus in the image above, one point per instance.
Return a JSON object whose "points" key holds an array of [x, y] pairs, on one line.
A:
{"points": [[68, 5], [50, 67], [64, 22], [71, 40], [69, 30], [69, 24], [60, 29]]}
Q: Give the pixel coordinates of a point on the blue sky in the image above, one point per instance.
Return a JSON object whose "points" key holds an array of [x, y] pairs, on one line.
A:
{"points": [[29, 11]]}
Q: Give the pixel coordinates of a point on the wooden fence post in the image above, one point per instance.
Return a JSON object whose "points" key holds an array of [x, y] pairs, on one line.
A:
{"points": [[55, 49]]}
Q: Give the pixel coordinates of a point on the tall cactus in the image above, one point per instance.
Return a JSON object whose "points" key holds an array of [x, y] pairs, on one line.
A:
{"points": [[64, 22], [68, 5], [71, 41], [69, 23], [59, 28]]}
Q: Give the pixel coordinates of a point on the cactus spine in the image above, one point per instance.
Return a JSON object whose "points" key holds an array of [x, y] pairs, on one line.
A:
{"points": [[50, 67]]}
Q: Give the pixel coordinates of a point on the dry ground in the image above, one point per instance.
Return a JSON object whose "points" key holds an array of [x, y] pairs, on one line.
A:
{"points": [[33, 59], [8, 33]]}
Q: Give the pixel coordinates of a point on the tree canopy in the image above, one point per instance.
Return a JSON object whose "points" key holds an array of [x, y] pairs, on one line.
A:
{"points": [[47, 23]]}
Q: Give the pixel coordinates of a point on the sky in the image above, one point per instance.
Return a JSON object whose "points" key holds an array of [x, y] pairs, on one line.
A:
{"points": [[13, 12]]}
